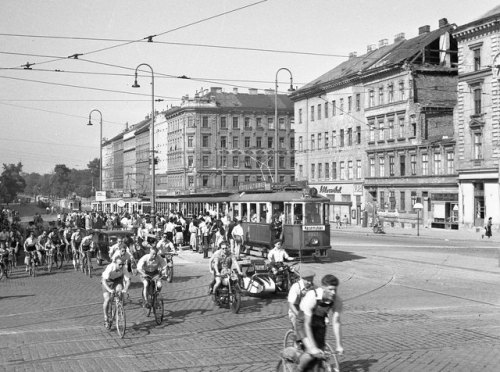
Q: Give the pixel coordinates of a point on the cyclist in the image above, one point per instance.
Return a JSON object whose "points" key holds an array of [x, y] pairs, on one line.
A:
{"points": [[277, 257], [42, 240], [53, 241], [30, 245], [224, 262], [87, 245], [151, 265], [114, 279], [297, 292], [165, 246], [115, 247], [124, 255], [76, 239], [66, 238], [316, 306]]}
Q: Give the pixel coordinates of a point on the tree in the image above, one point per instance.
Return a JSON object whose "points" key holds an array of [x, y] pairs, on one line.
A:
{"points": [[11, 182], [95, 168], [60, 181]]}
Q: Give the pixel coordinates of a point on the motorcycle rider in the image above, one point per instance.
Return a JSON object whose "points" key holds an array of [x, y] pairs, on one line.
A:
{"points": [[223, 262], [297, 292], [277, 257]]}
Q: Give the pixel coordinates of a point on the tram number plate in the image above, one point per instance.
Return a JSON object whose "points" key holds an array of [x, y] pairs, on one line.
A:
{"points": [[313, 228]]}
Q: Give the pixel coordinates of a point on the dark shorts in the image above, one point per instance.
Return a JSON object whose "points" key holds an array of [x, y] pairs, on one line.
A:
{"points": [[112, 284], [319, 331], [85, 248]]}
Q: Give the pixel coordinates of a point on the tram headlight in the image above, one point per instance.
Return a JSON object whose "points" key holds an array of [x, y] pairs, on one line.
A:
{"points": [[314, 241]]}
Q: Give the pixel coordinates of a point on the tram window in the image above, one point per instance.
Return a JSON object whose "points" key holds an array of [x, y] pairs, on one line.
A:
{"points": [[263, 212], [288, 214], [244, 212], [313, 213], [298, 212]]}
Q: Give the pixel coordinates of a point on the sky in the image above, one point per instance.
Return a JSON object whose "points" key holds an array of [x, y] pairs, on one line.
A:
{"points": [[46, 97]]}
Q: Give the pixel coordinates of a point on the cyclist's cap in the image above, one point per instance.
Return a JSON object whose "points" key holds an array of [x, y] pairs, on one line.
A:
{"points": [[307, 274]]}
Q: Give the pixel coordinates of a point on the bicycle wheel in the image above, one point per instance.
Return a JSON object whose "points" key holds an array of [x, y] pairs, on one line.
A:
{"points": [[111, 312], [49, 263], [158, 309], [170, 274], [289, 339], [2, 272], [9, 268], [60, 258], [121, 324], [332, 364]]}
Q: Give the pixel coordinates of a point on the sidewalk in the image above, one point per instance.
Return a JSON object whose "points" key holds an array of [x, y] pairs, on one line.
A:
{"points": [[425, 232]]}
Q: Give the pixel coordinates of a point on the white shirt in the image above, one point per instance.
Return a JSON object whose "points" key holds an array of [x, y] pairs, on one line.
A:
{"points": [[109, 272], [145, 264], [277, 255], [308, 303]]}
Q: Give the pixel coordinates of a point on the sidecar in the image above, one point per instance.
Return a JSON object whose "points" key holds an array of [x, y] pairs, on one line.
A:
{"points": [[256, 279]]}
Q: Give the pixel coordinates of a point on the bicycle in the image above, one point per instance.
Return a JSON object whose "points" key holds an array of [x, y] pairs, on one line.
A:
{"points": [[116, 311], [328, 362], [156, 300], [86, 263], [49, 258], [59, 256], [32, 263]]}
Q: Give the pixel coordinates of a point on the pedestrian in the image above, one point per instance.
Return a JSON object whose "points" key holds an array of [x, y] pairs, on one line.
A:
{"points": [[487, 228], [337, 221]]}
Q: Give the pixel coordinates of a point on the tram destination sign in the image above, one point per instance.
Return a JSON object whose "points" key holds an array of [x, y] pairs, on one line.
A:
{"points": [[313, 228], [254, 186]]}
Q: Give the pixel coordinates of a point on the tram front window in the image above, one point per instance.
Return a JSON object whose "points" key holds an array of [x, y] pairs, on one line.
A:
{"points": [[298, 213], [313, 213]]}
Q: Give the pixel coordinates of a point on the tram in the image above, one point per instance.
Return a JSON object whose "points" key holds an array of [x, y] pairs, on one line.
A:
{"points": [[122, 205]]}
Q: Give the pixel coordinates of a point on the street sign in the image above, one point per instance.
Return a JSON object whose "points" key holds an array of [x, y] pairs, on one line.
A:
{"points": [[100, 196]]}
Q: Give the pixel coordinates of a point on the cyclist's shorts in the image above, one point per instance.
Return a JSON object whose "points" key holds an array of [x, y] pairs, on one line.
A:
{"points": [[31, 248], [319, 332], [85, 248], [152, 274], [112, 283]]}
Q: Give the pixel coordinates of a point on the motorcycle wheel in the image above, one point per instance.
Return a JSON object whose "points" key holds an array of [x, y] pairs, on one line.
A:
{"points": [[235, 302]]}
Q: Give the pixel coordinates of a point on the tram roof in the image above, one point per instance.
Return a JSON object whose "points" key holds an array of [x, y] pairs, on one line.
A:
{"points": [[280, 196]]}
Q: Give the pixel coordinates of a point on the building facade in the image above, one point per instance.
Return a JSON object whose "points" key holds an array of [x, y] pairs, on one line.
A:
{"points": [[477, 126]]}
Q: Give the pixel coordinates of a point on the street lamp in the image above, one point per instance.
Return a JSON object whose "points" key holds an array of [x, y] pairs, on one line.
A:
{"points": [[276, 119], [151, 136], [100, 145], [418, 207]]}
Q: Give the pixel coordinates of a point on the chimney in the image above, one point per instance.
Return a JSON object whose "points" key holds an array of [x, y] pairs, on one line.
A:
{"points": [[235, 90], [252, 91], [399, 37], [269, 92], [443, 22], [382, 43], [371, 47], [215, 90], [424, 29], [352, 55]]}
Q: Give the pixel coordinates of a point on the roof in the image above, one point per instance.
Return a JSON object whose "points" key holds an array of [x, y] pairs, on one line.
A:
{"points": [[492, 12], [387, 56], [253, 101]]}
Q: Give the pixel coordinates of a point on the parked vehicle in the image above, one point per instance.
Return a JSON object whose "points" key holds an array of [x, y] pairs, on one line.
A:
{"points": [[107, 238]]}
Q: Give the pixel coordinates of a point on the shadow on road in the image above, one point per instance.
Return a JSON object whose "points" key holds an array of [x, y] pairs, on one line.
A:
{"points": [[18, 296], [341, 256], [361, 365]]}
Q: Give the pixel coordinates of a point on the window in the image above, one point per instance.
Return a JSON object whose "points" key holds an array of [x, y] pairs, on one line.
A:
{"points": [[425, 165], [326, 140], [342, 170], [236, 162], [381, 131], [292, 161], [320, 170], [204, 121], [223, 122], [205, 161], [223, 160], [334, 108], [236, 122], [371, 98], [390, 93], [300, 144], [319, 141], [414, 129], [372, 131], [190, 141], [334, 138], [350, 170], [270, 142], [477, 59], [270, 162], [392, 200], [204, 181], [341, 106], [223, 142], [402, 95], [247, 142], [258, 142], [450, 162], [413, 164], [391, 128], [235, 181], [248, 162], [281, 123], [191, 181], [270, 123], [236, 142], [358, 102], [327, 171], [382, 199], [313, 171], [292, 143], [205, 141], [402, 165], [300, 116], [349, 104], [313, 142], [478, 145], [372, 167], [248, 124], [477, 100], [413, 198], [391, 165], [326, 109], [358, 169], [301, 170], [401, 121], [402, 204], [281, 142], [312, 113], [381, 96], [247, 179], [342, 138], [319, 112], [334, 171], [259, 123], [358, 135], [190, 160], [381, 167], [437, 164], [349, 136]]}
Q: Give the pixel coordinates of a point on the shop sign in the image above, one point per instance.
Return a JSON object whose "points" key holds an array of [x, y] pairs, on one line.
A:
{"points": [[326, 189]]}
